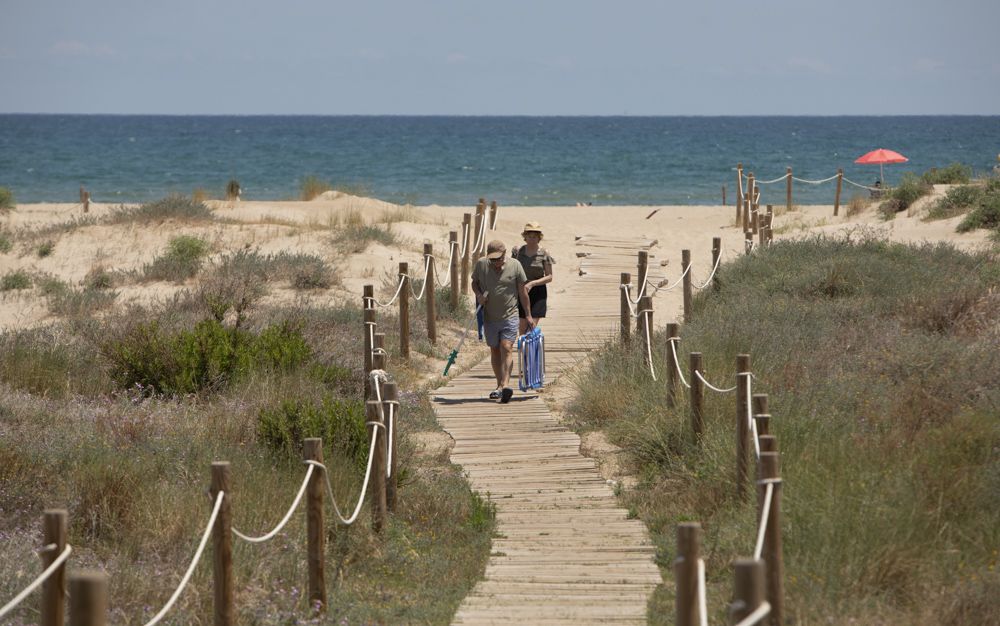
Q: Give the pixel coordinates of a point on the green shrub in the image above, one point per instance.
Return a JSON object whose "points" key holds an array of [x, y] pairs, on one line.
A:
{"points": [[182, 260], [46, 248], [6, 199], [80, 302], [173, 207], [956, 201], [954, 174], [6, 245], [303, 271], [18, 279], [340, 423], [99, 278], [986, 215], [358, 236], [442, 298], [233, 189], [909, 190], [312, 187], [207, 356]]}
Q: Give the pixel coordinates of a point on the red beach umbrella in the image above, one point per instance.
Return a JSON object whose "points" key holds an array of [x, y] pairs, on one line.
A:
{"points": [[881, 156]]}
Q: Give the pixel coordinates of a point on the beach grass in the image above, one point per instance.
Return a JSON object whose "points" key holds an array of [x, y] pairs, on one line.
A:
{"points": [[312, 187], [181, 260], [175, 207], [879, 360], [7, 201], [15, 280]]}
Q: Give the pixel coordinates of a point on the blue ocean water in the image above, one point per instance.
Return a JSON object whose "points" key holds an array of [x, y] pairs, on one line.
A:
{"points": [[455, 160]]}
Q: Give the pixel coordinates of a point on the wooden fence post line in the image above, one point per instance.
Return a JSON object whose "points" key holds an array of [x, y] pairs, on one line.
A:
{"points": [[672, 329], [760, 414], [686, 574], [453, 268], [429, 294], [788, 188], [493, 215], [369, 344], [373, 412], [716, 262], [468, 238], [390, 403], [54, 532], [88, 598], [626, 311], [836, 198], [772, 553], [642, 271], [742, 425], [315, 526], [748, 588], [477, 251], [404, 311], [697, 395], [739, 192], [686, 268], [222, 546]]}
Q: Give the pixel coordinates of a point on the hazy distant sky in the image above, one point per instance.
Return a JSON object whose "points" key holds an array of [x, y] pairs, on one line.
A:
{"points": [[538, 57]]}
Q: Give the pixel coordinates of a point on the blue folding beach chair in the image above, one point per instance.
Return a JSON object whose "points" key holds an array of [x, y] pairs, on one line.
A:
{"points": [[531, 360]]}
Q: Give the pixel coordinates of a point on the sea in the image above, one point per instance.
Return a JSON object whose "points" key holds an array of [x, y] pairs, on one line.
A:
{"points": [[454, 160]]}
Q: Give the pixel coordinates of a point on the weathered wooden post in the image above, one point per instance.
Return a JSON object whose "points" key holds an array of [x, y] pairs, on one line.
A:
{"points": [[760, 414], [788, 188], [467, 239], [312, 450], [390, 410], [453, 267], [373, 411], [768, 443], [672, 348], [748, 589], [378, 348], [369, 345], [81, 193], [836, 198], [86, 201], [478, 244], [742, 424], [88, 598], [770, 224], [368, 297], [716, 261], [404, 310], [772, 553], [686, 269], [429, 294], [723, 195], [739, 193], [222, 546], [686, 574], [493, 215], [642, 273], [748, 241], [54, 532], [645, 310], [697, 395], [626, 310], [748, 200]]}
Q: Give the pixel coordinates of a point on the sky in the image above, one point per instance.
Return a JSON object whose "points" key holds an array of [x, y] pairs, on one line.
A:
{"points": [[512, 57]]}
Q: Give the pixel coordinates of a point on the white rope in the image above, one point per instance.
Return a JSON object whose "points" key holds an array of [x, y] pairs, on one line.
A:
{"points": [[480, 243], [851, 182], [642, 289], [768, 182], [754, 618], [194, 561], [465, 239], [718, 260], [451, 255], [41, 578], [649, 348], [284, 520], [392, 425], [751, 422], [347, 521], [673, 350], [628, 299], [702, 595], [423, 287], [765, 512], [399, 289], [710, 385], [815, 182]]}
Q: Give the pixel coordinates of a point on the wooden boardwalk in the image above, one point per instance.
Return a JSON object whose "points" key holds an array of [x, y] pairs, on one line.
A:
{"points": [[565, 553]]}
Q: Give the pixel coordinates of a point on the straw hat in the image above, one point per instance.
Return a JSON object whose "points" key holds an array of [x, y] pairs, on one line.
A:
{"points": [[532, 227], [495, 249]]}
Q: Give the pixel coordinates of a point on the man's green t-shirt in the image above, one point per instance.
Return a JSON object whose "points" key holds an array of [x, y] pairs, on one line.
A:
{"points": [[501, 288]]}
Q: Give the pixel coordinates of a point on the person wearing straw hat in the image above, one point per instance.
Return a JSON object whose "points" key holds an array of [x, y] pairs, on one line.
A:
{"points": [[537, 266], [499, 288]]}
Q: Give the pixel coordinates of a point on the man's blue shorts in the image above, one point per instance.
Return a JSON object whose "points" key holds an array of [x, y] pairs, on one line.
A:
{"points": [[504, 329]]}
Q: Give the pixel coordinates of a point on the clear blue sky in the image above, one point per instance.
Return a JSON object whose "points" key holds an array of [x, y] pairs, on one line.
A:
{"points": [[537, 57]]}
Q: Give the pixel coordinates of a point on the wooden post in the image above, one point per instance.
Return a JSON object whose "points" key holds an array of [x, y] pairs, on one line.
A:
{"points": [[626, 310], [642, 273], [54, 531], [369, 345], [222, 547], [477, 250], [836, 198], [380, 361], [453, 267], [772, 553], [493, 215], [646, 319], [404, 311], [739, 193], [373, 412], [686, 269], [88, 598], [429, 294], [81, 193], [86, 201], [748, 200], [723, 195], [697, 395], [468, 239], [770, 224], [315, 527], [368, 297], [390, 411], [716, 262], [686, 574], [378, 349], [748, 589], [760, 414], [768, 443], [788, 188], [672, 347], [742, 425], [748, 241]]}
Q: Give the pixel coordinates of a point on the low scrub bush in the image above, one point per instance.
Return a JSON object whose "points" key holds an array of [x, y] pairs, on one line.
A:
{"points": [[909, 190], [340, 423], [986, 213], [175, 207], [954, 174], [359, 236], [15, 280], [303, 271], [51, 361], [99, 278], [80, 302], [6, 199], [955, 202], [313, 187], [181, 260], [6, 243], [45, 249]]}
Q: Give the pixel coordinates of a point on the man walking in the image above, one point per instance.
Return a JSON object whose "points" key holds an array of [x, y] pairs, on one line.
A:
{"points": [[499, 286]]}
